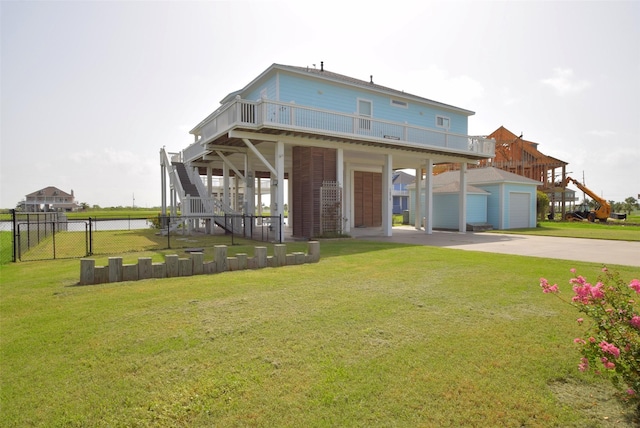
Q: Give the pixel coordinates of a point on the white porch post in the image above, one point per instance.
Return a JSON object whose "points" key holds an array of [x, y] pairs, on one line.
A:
{"points": [[279, 205], [340, 181], [209, 182], [417, 203], [462, 214], [225, 184], [387, 203], [347, 198], [428, 198], [249, 183]]}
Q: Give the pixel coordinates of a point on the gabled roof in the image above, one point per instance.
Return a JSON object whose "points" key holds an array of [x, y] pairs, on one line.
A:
{"points": [[455, 188], [49, 192], [351, 81], [401, 177], [489, 175]]}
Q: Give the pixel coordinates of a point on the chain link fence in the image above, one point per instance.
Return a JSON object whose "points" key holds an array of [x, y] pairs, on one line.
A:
{"points": [[46, 236]]}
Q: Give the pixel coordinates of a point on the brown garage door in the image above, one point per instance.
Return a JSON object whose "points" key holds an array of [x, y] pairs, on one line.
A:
{"points": [[367, 188]]}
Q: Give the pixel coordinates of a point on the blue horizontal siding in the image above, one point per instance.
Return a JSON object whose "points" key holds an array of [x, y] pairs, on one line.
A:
{"points": [[341, 98]]}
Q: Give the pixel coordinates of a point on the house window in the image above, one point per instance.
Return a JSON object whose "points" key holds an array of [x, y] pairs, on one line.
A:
{"points": [[365, 109], [442, 122], [398, 103]]}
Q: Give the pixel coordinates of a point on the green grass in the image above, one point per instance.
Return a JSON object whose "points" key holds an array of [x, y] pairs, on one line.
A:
{"points": [[6, 247], [376, 334], [567, 229]]}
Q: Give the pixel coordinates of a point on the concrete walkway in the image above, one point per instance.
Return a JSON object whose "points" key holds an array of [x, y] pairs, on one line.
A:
{"points": [[588, 250]]}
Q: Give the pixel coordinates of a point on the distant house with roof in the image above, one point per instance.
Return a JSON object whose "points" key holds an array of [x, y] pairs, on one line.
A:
{"points": [[399, 193], [50, 199], [495, 197]]}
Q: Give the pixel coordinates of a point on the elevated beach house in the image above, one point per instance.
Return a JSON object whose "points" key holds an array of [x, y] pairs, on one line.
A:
{"points": [[333, 140]]}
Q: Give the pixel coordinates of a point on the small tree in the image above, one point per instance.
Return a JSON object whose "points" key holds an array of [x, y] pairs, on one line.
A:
{"points": [[630, 204], [542, 203]]}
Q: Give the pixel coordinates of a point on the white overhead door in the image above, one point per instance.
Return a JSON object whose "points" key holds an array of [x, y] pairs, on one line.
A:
{"points": [[519, 210]]}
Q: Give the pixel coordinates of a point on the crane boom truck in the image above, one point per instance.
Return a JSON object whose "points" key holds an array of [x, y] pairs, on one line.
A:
{"points": [[601, 211]]}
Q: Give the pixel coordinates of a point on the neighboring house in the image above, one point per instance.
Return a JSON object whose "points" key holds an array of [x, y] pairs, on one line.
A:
{"points": [[400, 194], [502, 199], [50, 199], [326, 134]]}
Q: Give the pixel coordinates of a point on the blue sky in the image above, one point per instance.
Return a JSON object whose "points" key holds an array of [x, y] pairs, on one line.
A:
{"points": [[90, 91]]}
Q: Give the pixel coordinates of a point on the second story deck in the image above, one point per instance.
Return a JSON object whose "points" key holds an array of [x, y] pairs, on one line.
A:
{"points": [[280, 118]]}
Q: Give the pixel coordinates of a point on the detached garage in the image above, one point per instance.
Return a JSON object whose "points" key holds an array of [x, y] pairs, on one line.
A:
{"points": [[500, 198]]}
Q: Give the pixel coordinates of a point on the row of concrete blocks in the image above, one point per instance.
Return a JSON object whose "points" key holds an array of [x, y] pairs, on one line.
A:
{"points": [[195, 264]]}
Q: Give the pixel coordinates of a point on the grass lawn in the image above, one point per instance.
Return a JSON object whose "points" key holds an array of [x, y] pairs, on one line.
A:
{"points": [[569, 229], [375, 334]]}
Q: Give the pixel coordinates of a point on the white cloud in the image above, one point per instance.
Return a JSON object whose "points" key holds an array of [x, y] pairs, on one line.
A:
{"points": [[602, 133], [437, 84], [507, 98], [564, 82]]}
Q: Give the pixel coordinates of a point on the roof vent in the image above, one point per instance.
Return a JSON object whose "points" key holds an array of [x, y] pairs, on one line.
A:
{"points": [[371, 79], [321, 65]]}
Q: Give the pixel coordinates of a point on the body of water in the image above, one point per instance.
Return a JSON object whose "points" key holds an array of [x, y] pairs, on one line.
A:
{"points": [[97, 225]]}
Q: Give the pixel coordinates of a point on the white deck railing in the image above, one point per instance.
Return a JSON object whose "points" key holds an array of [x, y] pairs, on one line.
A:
{"points": [[289, 116]]}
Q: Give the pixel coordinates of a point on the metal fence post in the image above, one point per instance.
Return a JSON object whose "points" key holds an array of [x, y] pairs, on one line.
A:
{"points": [[53, 237]]}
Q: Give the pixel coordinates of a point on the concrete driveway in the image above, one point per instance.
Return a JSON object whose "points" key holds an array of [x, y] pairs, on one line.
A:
{"points": [[590, 250]]}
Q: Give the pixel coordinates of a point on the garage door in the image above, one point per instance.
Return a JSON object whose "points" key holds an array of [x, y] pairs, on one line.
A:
{"points": [[519, 210]]}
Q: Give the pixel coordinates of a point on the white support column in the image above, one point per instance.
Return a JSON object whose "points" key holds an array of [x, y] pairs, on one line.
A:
{"points": [[249, 183], [289, 195], [347, 199], [418, 200], [209, 182], [225, 184], [462, 201], [428, 198], [163, 184], [340, 181], [279, 205], [259, 196], [387, 200]]}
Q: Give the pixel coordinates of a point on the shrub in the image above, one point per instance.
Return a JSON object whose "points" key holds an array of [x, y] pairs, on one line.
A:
{"points": [[611, 343]]}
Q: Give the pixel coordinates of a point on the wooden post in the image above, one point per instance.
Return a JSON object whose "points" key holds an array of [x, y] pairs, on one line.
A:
{"points": [[280, 255], [144, 268], [159, 270], [185, 267], [242, 261], [130, 272], [101, 275], [171, 260], [197, 260], [220, 257], [313, 250], [299, 258], [115, 269], [261, 257], [87, 271]]}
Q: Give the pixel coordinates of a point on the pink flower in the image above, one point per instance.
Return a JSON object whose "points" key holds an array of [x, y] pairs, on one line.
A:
{"points": [[572, 270], [609, 348], [604, 269], [578, 340], [635, 284], [584, 365], [631, 391], [635, 321], [608, 364], [546, 288], [592, 339], [580, 321]]}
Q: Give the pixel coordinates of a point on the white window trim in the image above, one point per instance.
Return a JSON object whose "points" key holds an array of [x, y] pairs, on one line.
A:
{"points": [[398, 103], [448, 120]]}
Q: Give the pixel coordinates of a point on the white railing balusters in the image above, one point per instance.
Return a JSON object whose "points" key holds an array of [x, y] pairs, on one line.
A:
{"points": [[292, 116]]}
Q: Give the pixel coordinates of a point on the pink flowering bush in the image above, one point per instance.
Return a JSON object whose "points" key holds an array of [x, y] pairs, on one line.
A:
{"points": [[611, 344]]}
